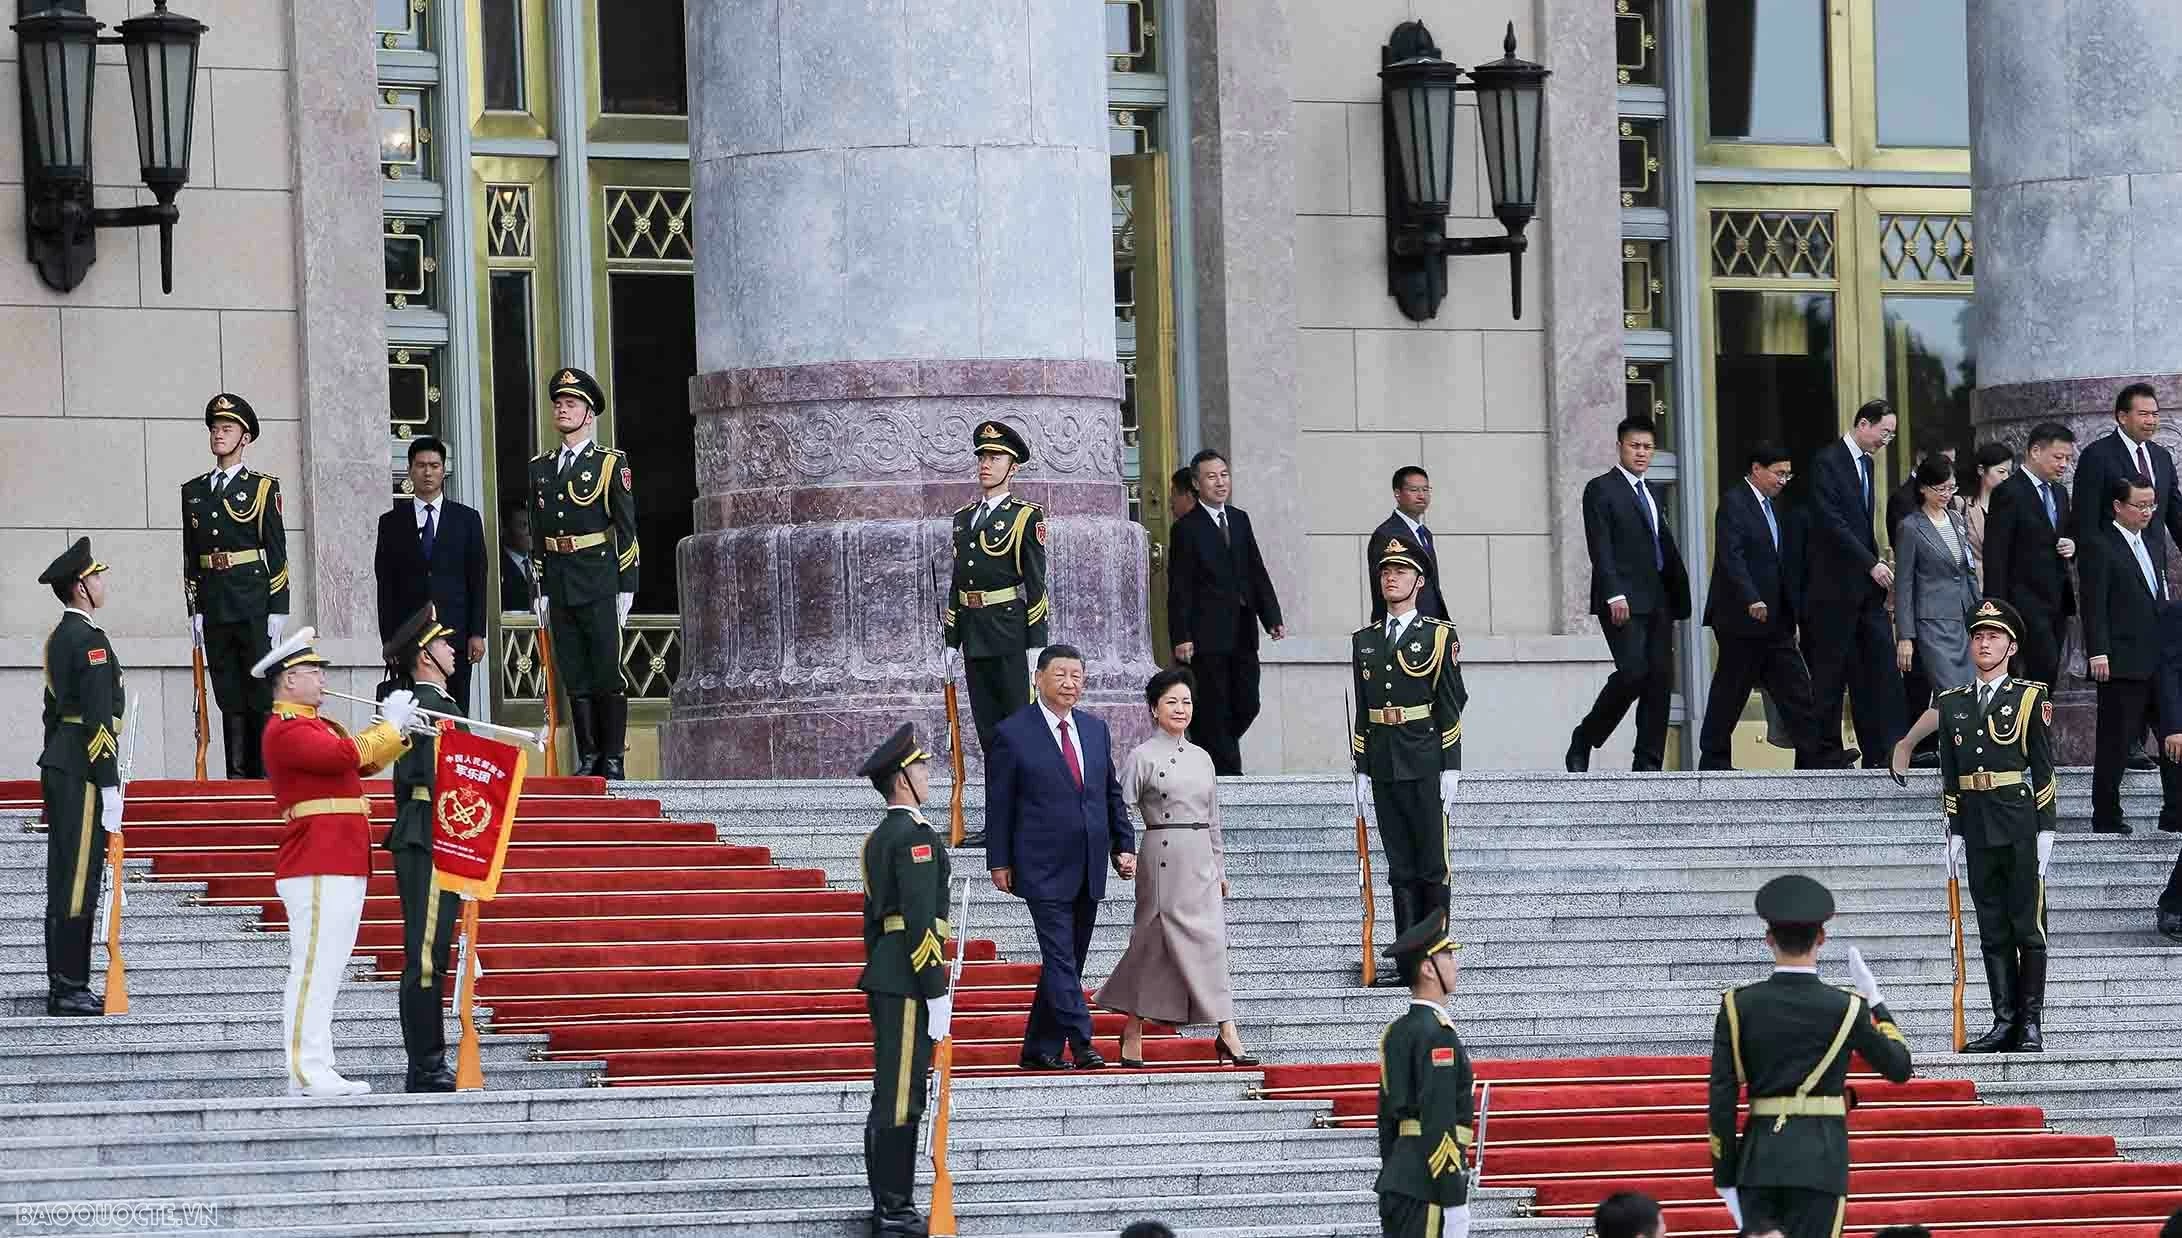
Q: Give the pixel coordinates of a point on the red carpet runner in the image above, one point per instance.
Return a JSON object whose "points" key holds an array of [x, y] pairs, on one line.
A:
{"points": [[675, 958]]}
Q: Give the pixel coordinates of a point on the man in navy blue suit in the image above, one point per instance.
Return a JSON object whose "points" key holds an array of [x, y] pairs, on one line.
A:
{"points": [[1053, 821], [432, 549]]}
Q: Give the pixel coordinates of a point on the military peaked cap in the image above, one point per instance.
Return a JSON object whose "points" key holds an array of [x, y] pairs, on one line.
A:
{"points": [[1794, 899], [571, 381], [900, 751], [293, 652], [74, 564], [1000, 436], [227, 406], [1994, 613], [1424, 939], [422, 629], [1399, 550]]}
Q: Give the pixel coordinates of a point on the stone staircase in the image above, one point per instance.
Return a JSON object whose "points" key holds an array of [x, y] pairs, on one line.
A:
{"points": [[1601, 915]]}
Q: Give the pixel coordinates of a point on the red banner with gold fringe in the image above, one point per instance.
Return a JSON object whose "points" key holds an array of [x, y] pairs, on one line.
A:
{"points": [[474, 795]]}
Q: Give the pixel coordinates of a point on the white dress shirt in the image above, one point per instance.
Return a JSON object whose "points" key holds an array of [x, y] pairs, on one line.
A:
{"points": [[1401, 624], [223, 478], [2144, 559], [568, 454], [986, 507], [431, 506], [1053, 729]]}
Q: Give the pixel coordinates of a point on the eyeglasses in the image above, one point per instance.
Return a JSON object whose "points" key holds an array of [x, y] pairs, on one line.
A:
{"points": [[2152, 506]]}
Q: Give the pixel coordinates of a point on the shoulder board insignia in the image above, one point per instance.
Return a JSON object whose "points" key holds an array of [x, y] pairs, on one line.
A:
{"points": [[1438, 623], [268, 476], [2032, 683], [965, 507], [1032, 506], [96, 657], [1957, 690], [1444, 1055], [1369, 627], [921, 854]]}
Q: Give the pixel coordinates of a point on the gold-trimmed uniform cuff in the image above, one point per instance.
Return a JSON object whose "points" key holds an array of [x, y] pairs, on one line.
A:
{"points": [[1451, 736], [2045, 795], [279, 581]]}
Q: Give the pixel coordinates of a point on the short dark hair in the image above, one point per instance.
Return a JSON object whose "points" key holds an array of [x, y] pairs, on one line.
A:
{"points": [[1404, 473], [2123, 397], [1183, 480], [2173, 1227], [1903, 1231], [1991, 454], [425, 443], [1934, 470], [883, 781], [1764, 454], [1147, 1229], [1047, 655], [1795, 938], [1158, 685], [1201, 457], [2126, 484], [1634, 425], [65, 590], [1872, 412], [1626, 1214], [2049, 432]]}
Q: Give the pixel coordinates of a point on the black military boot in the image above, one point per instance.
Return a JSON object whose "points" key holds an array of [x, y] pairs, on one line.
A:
{"points": [[891, 1155], [232, 729], [2000, 977], [613, 735], [253, 745], [430, 1074], [583, 724], [1406, 911], [2031, 1002], [64, 997]]}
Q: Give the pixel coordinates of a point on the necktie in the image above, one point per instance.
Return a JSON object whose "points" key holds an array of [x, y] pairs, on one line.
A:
{"points": [[2045, 500], [219, 482], [1424, 535], [568, 457], [2144, 565], [1651, 517], [1863, 466], [1068, 754], [2144, 463], [1393, 629], [1985, 698], [431, 529], [1219, 518], [1772, 525]]}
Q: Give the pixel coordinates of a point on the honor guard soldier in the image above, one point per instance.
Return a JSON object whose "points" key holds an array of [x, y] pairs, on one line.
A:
{"points": [[79, 774], [1787, 1040], [997, 610], [1427, 1112], [904, 979], [1997, 790], [584, 556], [421, 657], [323, 865], [235, 578], [1407, 739]]}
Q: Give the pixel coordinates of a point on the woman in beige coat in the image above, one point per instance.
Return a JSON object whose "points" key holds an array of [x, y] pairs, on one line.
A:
{"points": [[1175, 969]]}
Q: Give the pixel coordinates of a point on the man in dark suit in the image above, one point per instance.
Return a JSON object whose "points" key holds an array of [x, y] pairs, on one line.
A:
{"points": [[1751, 608], [432, 549], [2027, 551], [1053, 820], [1412, 495], [2124, 587], [1639, 589], [1218, 596], [2128, 452], [518, 588], [2168, 686], [1847, 641]]}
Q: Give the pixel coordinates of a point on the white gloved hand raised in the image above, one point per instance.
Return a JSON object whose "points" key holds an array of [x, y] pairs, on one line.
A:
{"points": [[939, 1014], [110, 809], [2045, 852], [1450, 783], [274, 625], [622, 604], [1363, 800], [1734, 1201], [1866, 983], [399, 709], [197, 632]]}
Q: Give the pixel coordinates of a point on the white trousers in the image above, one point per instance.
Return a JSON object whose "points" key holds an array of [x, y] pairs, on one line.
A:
{"points": [[323, 913]]}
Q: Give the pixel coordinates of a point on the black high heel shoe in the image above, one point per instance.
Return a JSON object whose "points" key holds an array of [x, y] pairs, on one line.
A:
{"points": [[1229, 1057]]}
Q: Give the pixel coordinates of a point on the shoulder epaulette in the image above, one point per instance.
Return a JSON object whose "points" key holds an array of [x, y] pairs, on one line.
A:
{"points": [[1032, 506], [1957, 690], [965, 507], [1369, 627], [2032, 683], [271, 477], [543, 455], [1445, 623]]}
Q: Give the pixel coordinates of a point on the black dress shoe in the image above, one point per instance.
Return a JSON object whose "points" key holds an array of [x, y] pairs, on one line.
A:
{"points": [[2139, 761], [1846, 759], [75, 1004], [1387, 978], [1039, 1061], [973, 838], [1924, 760], [1087, 1058], [1229, 1057], [2170, 825], [439, 1080], [1578, 759], [2112, 827], [2170, 925]]}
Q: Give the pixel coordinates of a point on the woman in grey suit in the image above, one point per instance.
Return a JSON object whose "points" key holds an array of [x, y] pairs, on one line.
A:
{"points": [[1935, 588]]}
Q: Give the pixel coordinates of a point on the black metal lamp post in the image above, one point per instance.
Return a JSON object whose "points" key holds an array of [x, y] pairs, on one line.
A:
{"points": [[1418, 95], [58, 44]]}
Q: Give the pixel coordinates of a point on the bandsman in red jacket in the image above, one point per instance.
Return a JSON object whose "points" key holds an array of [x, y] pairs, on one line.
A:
{"points": [[324, 862]]}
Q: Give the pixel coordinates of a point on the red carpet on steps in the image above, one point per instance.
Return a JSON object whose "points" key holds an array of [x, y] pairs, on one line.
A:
{"points": [[675, 958]]}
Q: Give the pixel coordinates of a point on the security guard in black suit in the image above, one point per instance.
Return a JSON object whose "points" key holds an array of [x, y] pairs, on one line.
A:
{"points": [[1427, 1109], [421, 658], [235, 577], [904, 980], [584, 556], [997, 609], [1407, 738], [1997, 789], [1787, 1040], [80, 777]]}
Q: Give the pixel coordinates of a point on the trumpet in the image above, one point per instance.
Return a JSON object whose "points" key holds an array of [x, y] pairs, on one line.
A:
{"points": [[535, 739]]}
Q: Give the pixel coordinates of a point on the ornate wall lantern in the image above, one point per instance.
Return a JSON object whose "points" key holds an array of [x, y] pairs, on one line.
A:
{"points": [[58, 42], [1418, 91]]}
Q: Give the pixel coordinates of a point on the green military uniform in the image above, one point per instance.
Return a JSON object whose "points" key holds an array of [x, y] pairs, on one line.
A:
{"points": [[1427, 1104], [429, 915], [1997, 790], [997, 607], [583, 554], [1408, 728], [905, 966], [84, 705], [1787, 1040], [235, 574]]}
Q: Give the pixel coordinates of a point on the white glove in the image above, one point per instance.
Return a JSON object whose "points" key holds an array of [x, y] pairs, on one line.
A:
{"points": [[1030, 658], [538, 606], [939, 1013], [1734, 1201], [622, 603], [197, 633], [2045, 852], [399, 709], [1450, 782], [1455, 1221], [110, 809], [1364, 802], [1866, 983], [273, 625], [1958, 855]]}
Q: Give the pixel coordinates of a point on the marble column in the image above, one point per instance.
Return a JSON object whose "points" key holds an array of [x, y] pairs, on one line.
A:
{"points": [[2076, 159], [903, 228]]}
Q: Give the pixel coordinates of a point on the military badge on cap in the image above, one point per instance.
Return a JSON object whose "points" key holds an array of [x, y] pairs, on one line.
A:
{"points": [[229, 407], [1397, 551], [572, 381], [900, 751], [1001, 437], [1996, 614]]}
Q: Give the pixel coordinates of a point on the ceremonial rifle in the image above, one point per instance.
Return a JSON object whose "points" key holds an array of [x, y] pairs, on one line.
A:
{"points": [[940, 1085], [552, 719], [1363, 864], [1477, 1151], [117, 975], [204, 728], [954, 725], [1954, 933]]}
